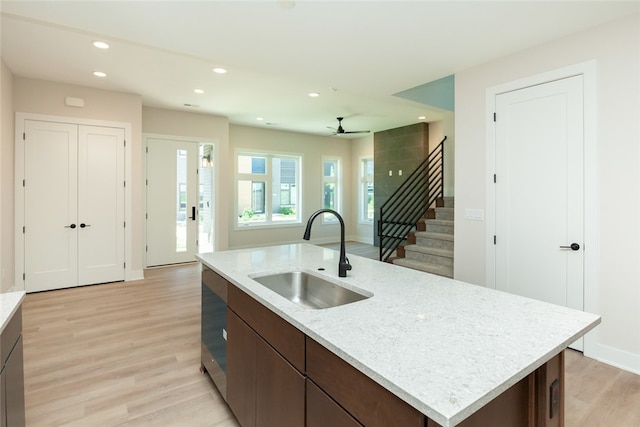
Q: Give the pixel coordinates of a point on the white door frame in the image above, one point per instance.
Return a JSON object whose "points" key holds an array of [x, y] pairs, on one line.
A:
{"points": [[200, 141], [129, 273], [591, 231]]}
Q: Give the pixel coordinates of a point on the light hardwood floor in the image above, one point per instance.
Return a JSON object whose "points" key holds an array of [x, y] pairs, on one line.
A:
{"points": [[128, 354]]}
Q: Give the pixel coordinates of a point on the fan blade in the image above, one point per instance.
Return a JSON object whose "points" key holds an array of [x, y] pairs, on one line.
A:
{"points": [[357, 131]]}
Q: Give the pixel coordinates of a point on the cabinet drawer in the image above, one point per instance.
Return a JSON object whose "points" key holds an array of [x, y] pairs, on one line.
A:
{"points": [[280, 334], [215, 282], [367, 401]]}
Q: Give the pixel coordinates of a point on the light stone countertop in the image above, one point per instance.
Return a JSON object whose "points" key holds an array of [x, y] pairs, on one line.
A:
{"points": [[445, 347], [9, 303]]}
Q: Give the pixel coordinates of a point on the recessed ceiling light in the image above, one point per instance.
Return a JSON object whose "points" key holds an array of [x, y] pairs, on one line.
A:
{"points": [[259, 119], [422, 117], [198, 90], [100, 45], [219, 70], [99, 74], [314, 94]]}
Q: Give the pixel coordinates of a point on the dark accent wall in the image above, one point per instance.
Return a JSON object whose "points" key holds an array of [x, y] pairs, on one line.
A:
{"points": [[394, 150]]}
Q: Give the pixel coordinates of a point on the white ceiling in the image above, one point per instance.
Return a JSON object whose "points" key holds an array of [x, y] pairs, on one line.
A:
{"points": [[356, 54]]}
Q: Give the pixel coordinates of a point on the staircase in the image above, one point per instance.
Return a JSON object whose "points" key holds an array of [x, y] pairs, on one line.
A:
{"points": [[430, 248]]}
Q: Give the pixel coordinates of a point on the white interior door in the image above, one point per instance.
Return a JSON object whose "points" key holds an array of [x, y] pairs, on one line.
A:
{"points": [[172, 201], [50, 198], [540, 192], [74, 205], [100, 204]]}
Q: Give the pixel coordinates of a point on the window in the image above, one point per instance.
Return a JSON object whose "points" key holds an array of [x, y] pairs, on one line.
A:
{"points": [[330, 187], [366, 190], [261, 175]]}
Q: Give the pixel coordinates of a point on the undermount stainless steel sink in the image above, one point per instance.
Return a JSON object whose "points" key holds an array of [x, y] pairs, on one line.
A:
{"points": [[308, 290]]}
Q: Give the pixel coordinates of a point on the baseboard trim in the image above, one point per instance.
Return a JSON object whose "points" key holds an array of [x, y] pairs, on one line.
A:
{"points": [[132, 275], [619, 358]]}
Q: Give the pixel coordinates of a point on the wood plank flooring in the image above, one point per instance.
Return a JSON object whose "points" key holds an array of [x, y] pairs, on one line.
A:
{"points": [[129, 354]]}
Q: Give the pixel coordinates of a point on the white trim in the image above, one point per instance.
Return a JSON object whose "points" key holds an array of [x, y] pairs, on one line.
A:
{"points": [[216, 168], [19, 189], [338, 181], [362, 209], [299, 184], [619, 358], [588, 70]]}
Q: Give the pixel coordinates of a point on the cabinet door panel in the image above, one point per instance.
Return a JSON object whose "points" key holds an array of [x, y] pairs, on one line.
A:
{"points": [[279, 333], [280, 393], [323, 411], [14, 387], [241, 370], [368, 402]]}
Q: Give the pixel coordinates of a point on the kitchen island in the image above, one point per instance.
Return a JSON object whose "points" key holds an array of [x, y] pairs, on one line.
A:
{"points": [[446, 349]]}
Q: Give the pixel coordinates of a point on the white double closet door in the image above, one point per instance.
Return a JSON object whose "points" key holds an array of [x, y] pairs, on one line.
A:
{"points": [[74, 205]]}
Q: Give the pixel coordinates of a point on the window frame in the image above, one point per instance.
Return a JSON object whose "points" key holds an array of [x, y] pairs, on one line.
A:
{"points": [[337, 181], [363, 190], [295, 193]]}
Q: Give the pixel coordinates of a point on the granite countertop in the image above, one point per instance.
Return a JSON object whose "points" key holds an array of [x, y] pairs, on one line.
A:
{"points": [[445, 347], [9, 303]]}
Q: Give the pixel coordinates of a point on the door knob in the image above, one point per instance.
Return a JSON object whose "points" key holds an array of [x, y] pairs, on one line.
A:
{"points": [[83, 225], [70, 226], [573, 247]]}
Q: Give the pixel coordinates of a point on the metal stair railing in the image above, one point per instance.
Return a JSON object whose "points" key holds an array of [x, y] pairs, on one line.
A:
{"points": [[409, 203]]}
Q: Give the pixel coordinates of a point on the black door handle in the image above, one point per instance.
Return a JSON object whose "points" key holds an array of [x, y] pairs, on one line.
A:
{"points": [[70, 226], [573, 247], [193, 213], [83, 225]]}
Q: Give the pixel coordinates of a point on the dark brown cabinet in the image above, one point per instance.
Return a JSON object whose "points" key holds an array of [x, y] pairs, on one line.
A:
{"points": [[263, 388], [323, 411], [241, 370], [277, 376], [367, 401], [12, 374], [280, 390]]}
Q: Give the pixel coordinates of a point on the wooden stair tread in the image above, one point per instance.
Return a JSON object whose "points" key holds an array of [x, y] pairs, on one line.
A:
{"points": [[440, 270], [439, 221], [432, 251], [432, 235]]}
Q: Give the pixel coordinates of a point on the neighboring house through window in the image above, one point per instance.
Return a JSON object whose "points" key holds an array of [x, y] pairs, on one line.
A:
{"points": [[260, 175]]}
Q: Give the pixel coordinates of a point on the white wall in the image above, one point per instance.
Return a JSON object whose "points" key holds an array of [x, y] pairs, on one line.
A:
{"points": [[208, 128], [312, 148], [616, 49], [7, 124], [437, 131], [47, 98]]}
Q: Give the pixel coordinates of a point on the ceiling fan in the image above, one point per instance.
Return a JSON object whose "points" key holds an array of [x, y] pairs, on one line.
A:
{"points": [[340, 130]]}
